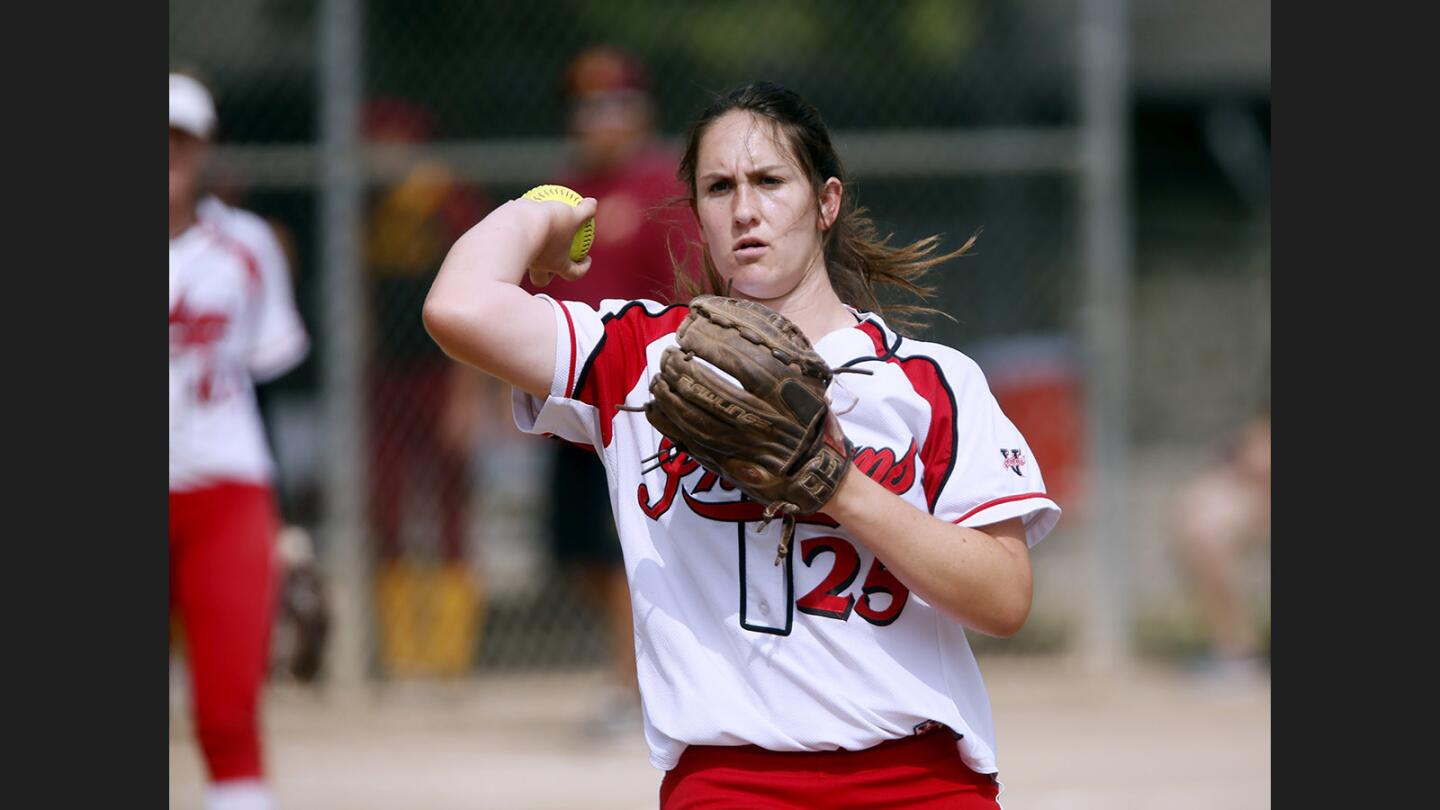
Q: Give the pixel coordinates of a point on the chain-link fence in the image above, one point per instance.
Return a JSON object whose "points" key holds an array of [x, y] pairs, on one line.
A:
{"points": [[953, 117]]}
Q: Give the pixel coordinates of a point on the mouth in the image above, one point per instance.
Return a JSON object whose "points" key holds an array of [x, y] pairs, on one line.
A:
{"points": [[749, 249]]}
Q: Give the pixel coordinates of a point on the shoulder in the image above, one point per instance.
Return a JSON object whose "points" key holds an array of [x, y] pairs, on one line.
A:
{"points": [[614, 345], [246, 228], [630, 323], [642, 310], [624, 325], [922, 359], [953, 362]]}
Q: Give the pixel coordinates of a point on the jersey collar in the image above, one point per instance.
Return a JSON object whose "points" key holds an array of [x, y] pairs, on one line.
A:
{"points": [[868, 339]]}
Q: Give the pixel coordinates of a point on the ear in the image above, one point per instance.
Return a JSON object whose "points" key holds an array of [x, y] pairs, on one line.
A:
{"points": [[831, 195]]}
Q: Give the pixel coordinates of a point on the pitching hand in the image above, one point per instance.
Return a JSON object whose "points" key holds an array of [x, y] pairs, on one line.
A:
{"points": [[561, 224]]}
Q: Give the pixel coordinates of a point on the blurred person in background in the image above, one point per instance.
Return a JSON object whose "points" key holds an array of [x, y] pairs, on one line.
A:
{"points": [[303, 615], [619, 160], [232, 323], [1221, 515], [425, 410]]}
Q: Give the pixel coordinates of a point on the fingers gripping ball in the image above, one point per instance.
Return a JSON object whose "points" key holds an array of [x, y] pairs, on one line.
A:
{"points": [[584, 237], [773, 435]]}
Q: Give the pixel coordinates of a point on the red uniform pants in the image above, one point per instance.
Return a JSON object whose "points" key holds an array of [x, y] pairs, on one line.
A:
{"points": [[223, 586], [924, 772]]}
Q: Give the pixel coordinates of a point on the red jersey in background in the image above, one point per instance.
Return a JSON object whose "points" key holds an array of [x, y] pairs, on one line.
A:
{"points": [[642, 218]]}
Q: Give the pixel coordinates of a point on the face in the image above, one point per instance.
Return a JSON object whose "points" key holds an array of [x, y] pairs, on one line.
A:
{"points": [[758, 213], [186, 156], [605, 124]]}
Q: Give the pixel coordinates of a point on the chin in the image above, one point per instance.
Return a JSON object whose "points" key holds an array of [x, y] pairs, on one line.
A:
{"points": [[757, 280], [758, 287]]}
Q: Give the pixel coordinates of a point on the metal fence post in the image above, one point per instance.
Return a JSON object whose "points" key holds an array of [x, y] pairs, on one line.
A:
{"points": [[1105, 326], [342, 319]]}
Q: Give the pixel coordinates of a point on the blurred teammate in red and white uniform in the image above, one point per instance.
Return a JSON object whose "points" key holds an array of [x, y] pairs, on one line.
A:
{"points": [[232, 322]]}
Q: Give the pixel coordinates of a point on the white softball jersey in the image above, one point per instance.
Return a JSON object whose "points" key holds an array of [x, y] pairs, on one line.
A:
{"points": [[232, 321], [827, 650]]}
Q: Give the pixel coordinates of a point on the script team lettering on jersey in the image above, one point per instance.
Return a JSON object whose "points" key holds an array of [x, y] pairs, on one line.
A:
{"points": [[879, 464], [724, 634]]}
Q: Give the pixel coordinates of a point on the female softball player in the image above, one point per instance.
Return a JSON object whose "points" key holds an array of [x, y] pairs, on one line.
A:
{"points": [[841, 676], [232, 321]]}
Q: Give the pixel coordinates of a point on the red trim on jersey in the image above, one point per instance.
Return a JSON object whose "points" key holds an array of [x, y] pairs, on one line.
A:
{"points": [[618, 360], [744, 511], [1007, 499], [252, 265], [939, 451], [570, 373], [938, 454], [876, 336]]}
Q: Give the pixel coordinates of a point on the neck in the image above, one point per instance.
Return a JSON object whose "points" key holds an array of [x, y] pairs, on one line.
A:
{"points": [[813, 305], [181, 218]]}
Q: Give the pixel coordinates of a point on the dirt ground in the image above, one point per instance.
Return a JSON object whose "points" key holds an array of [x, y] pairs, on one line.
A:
{"points": [[1153, 739]]}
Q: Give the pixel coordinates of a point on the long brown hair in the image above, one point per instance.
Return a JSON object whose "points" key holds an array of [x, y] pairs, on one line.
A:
{"points": [[857, 258]]}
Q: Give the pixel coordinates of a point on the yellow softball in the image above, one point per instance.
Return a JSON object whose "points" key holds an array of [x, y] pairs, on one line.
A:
{"points": [[583, 237]]}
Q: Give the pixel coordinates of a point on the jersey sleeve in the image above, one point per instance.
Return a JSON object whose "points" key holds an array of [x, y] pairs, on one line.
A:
{"points": [[993, 476], [601, 356], [280, 341]]}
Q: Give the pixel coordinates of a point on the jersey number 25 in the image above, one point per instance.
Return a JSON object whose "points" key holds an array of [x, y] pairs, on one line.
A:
{"points": [[829, 598]]}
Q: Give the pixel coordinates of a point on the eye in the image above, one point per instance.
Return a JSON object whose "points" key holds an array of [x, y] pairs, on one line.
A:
{"points": [[770, 181], [719, 185]]}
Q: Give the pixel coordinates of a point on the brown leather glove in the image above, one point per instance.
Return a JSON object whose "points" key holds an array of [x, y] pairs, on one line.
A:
{"points": [[773, 436]]}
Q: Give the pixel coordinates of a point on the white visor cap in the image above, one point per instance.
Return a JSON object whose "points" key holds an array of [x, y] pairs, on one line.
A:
{"points": [[191, 108]]}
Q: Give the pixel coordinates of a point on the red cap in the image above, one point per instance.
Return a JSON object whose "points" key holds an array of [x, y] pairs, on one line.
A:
{"points": [[604, 69]]}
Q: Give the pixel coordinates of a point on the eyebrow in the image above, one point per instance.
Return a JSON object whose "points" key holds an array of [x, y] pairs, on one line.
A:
{"points": [[772, 168]]}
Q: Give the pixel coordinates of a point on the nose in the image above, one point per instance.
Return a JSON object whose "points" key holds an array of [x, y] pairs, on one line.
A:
{"points": [[745, 212]]}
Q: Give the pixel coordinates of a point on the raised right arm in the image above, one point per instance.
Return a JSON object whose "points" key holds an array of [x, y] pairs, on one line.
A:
{"points": [[476, 311]]}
